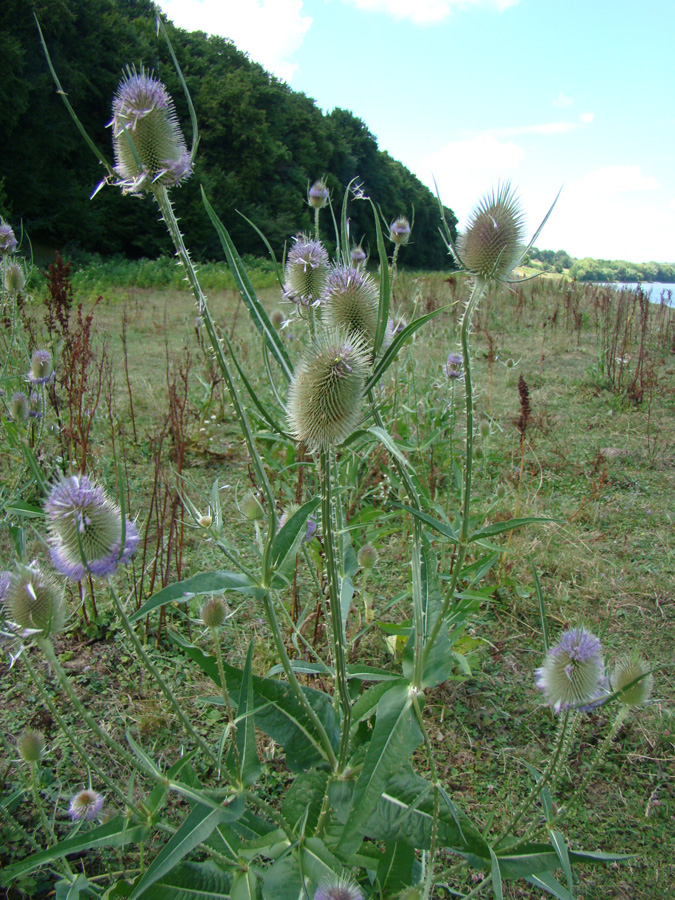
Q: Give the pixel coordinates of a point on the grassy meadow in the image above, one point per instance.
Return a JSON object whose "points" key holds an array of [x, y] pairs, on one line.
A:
{"points": [[575, 402]]}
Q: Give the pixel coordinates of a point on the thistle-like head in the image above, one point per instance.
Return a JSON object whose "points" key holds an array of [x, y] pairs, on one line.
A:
{"points": [[86, 805], [86, 530], [492, 243], [147, 140], [357, 256], [214, 612], [454, 366], [339, 889], [324, 399], [8, 242], [573, 673], [41, 371], [31, 745], [351, 302], [307, 270], [34, 601], [367, 556], [19, 406], [633, 678], [251, 507], [399, 230], [15, 278], [318, 195]]}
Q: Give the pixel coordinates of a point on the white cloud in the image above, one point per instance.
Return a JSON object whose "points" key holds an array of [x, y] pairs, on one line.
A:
{"points": [[587, 118], [562, 100], [269, 30], [543, 128], [424, 12]]}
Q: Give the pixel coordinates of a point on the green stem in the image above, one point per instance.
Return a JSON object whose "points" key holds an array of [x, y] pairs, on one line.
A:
{"points": [[161, 683], [226, 695], [334, 591], [428, 880]]}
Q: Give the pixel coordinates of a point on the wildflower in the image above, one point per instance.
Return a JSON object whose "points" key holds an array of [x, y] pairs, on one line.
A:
{"points": [[86, 530], [493, 241], [324, 398], [85, 805], [214, 612], [573, 672], [367, 556], [18, 406], [351, 302], [31, 745], [625, 673], [357, 256], [318, 195], [8, 242], [41, 371], [147, 140], [454, 366], [14, 278], [339, 889], [399, 230], [306, 271], [34, 601]]}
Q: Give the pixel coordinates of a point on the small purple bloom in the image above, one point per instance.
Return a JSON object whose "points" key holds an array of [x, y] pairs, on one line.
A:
{"points": [[358, 255], [86, 805], [318, 195], [573, 673], [86, 530], [8, 242], [399, 230], [454, 366]]}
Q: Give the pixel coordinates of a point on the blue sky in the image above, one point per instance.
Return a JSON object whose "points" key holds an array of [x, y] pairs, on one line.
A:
{"points": [[578, 93]]}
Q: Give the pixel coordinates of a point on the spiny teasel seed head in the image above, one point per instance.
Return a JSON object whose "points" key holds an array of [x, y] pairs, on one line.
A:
{"points": [[339, 889], [367, 556], [34, 601], [399, 230], [324, 399], [41, 371], [19, 406], [307, 268], [147, 140], [251, 507], [318, 195], [573, 673], [85, 530], [625, 673], [31, 745], [15, 278], [85, 805], [214, 612], [8, 242], [351, 302], [492, 243]]}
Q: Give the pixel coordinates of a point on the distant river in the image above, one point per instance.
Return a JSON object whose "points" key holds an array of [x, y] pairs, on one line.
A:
{"points": [[654, 289]]}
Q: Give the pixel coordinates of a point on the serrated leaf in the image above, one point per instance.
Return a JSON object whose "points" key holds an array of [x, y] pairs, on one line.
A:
{"points": [[245, 885], [191, 881], [395, 737], [205, 583], [394, 872], [283, 880], [318, 863], [302, 804]]}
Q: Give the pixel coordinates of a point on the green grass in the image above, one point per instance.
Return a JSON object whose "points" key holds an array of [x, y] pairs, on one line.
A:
{"points": [[599, 465]]}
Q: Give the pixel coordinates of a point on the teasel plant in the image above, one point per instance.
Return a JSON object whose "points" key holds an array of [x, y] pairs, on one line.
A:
{"points": [[358, 819]]}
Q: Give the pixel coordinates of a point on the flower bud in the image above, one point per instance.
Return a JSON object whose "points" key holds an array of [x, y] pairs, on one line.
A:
{"points": [[14, 278], [367, 556], [41, 371], [399, 230], [252, 508], [501, 492], [324, 399], [86, 805], [318, 195], [625, 672], [358, 256], [18, 406], [493, 241], [484, 430], [351, 302], [454, 366], [85, 530], [147, 140], [205, 521], [34, 602], [214, 612], [31, 745], [277, 318], [307, 269]]}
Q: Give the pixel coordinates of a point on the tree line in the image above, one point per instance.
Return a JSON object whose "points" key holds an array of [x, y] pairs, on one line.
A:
{"points": [[261, 142]]}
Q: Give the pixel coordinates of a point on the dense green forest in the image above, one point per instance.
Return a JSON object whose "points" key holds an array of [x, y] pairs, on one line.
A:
{"points": [[261, 142], [588, 269]]}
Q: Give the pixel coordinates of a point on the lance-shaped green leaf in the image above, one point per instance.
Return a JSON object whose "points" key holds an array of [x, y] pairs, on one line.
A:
{"points": [[245, 885], [527, 859], [500, 527], [248, 295], [288, 541], [392, 350], [302, 805], [277, 710], [394, 873], [560, 847], [205, 583], [387, 441], [385, 286], [284, 880], [71, 890], [188, 881], [195, 829], [443, 528], [395, 737], [278, 271], [496, 876], [439, 663], [248, 755], [116, 833], [549, 883], [318, 863]]}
